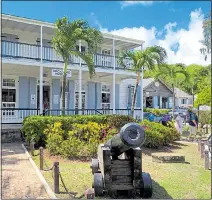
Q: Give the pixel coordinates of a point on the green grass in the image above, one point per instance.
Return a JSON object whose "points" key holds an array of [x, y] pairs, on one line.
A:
{"points": [[170, 180]]}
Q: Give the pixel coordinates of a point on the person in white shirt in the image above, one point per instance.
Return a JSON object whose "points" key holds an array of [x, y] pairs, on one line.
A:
{"points": [[179, 123]]}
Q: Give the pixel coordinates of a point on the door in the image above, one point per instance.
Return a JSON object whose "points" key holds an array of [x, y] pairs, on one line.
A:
{"points": [[149, 102], [46, 97]]}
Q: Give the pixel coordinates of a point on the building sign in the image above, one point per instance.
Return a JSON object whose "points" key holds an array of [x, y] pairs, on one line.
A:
{"points": [[59, 72]]}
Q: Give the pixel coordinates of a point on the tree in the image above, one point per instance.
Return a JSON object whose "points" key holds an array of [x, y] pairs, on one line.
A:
{"points": [[207, 36], [204, 97], [68, 33], [148, 58], [171, 71]]}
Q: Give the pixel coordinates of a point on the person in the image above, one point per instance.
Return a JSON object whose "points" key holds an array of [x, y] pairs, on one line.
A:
{"points": [[179, 124], [193, 121], [45, 105]]}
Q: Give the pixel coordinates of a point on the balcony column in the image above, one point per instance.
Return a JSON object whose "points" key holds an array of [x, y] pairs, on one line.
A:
{"points": [[80, 81], [114, 79], [141, 84], [41, 69]]}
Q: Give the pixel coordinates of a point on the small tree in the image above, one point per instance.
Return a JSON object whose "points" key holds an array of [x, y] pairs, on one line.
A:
{"points": [[68, 33], [148, 58], [204, 97], [171, 72]]}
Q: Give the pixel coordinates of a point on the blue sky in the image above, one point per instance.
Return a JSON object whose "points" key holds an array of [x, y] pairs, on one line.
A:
{"points": [[112, 15], [155, 18]]}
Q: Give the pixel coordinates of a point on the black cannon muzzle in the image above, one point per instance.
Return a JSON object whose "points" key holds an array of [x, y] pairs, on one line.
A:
{"points": [[131, 135]]}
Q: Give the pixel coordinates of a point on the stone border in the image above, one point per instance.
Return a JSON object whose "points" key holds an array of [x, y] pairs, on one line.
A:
{"points": [[42, 179]]}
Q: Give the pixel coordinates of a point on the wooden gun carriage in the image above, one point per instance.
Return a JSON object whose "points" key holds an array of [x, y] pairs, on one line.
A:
{"points": [[118, 167]]}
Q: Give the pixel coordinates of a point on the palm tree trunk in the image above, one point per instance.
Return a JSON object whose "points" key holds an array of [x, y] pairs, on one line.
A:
{"points": [[173, 105], [193, 97], [134, 94], [64, 88]]}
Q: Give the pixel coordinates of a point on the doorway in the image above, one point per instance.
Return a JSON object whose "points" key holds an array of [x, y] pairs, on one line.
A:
{"points": [[46, 97], [149, 102]]}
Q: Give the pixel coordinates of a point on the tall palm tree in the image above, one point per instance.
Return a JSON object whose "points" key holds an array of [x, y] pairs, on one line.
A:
{"points": [[170, 72], [68, 33], [148, 58]]}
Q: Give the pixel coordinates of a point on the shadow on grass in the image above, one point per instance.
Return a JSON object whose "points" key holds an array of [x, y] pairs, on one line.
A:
{"points": [[159, 192]]}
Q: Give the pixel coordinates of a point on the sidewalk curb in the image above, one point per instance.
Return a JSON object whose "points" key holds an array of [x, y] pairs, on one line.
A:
{"points": [[42, 179]]}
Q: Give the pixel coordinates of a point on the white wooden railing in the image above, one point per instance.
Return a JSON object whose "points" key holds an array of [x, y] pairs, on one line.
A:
{"points": [[32, 51], [17, 115]]}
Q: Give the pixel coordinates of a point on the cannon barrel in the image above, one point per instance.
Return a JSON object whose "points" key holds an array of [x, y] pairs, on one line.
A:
{"points": [[131, 135]]}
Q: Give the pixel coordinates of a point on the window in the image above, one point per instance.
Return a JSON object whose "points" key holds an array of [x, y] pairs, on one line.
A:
{"points": [[105, 97], [8, 83], [106, 52], [82, 48], [8, 95], [183, 101]]}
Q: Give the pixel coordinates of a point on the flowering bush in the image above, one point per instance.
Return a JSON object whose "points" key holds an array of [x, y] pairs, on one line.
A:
{"points": [[82, 140]]}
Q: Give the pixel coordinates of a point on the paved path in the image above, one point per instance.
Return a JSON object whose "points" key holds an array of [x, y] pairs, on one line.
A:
{"points": [[19, 178]]}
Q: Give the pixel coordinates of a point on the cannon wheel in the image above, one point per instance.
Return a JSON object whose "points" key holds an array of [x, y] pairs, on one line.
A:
{"points": [[146, 191], [94, 165], [98, 184]]}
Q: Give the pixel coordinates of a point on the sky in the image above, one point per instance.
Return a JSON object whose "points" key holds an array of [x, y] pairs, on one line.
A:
{"points": [[174, 25]]}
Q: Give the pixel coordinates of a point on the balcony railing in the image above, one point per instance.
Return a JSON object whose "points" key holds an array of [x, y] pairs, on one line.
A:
{"points": [[17, 115], [32, 51]]}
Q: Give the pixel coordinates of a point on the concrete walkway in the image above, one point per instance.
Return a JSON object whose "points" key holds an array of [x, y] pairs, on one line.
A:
{"points": [[19, 178]]}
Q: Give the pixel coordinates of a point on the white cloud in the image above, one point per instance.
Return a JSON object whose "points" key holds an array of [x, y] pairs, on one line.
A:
{"points": [[132, 3], [182, 45]]}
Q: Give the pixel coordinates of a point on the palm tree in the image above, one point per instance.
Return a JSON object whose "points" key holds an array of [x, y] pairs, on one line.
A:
{"points": [[150, 57], [68, 33], [170, 72]]}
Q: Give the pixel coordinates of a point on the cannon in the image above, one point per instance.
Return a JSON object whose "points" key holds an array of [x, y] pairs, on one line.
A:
{"points": [[118, 167]]}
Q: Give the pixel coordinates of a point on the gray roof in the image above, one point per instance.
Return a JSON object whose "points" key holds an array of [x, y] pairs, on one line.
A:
{"points": [[147, 81], [180, 93]]}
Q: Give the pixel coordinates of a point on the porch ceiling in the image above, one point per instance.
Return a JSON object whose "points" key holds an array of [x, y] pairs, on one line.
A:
{"points": [[34, 26]]}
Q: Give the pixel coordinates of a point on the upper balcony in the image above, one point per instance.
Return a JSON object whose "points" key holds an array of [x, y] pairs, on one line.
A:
{"points": [[19, 50], [21, 40]]}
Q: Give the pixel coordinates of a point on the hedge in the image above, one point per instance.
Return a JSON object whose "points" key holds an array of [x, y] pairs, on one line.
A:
{"points": [[156, 111], [83, 139], [34, 126]]}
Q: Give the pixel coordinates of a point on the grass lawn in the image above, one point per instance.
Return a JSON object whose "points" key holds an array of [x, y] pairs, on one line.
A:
{"points": [[170, 180]]}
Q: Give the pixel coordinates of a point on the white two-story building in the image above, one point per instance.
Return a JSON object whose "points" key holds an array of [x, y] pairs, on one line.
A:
{"points": [[31, 73]]}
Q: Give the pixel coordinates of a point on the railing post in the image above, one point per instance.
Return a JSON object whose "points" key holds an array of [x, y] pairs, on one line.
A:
{"points": [[206, 158], [32, 147], [202, 149], [41, 158], [199, 144], [56, 177]]}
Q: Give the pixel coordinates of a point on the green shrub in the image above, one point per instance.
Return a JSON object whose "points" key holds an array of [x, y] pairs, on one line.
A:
{"points": [[34, 126], [82, 141], [158, 135], [156, 111], [205, 117]]}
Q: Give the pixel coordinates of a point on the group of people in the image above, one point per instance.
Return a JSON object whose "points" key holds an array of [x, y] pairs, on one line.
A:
{"points": [[191, 119]]}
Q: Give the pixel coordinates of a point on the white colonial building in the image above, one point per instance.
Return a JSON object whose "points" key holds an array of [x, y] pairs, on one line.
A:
{"points": [[31, 73]]}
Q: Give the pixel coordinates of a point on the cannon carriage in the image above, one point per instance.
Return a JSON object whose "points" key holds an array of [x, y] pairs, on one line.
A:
{"points": [[118, 167]]}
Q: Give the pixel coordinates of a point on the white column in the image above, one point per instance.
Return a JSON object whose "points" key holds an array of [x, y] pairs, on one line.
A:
{"points": [[80, 81], [41, 69], [114, 79], [142, 96]]}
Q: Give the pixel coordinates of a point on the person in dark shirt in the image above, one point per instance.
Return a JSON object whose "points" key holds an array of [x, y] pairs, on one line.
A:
{"points": [[193, 122]]}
